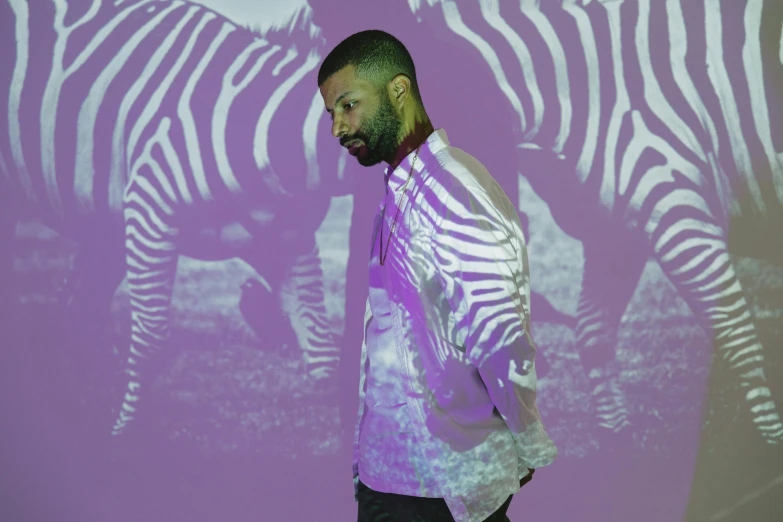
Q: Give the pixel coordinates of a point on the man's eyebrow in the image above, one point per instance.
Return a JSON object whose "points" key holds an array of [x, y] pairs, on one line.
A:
{"points": [[343, 95]]}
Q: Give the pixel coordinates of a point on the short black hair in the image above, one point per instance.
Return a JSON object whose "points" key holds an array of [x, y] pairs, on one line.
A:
{"points": [[377, 56]]}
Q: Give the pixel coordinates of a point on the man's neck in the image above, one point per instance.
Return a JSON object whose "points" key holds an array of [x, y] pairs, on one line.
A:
{"points": [[417, 134]]}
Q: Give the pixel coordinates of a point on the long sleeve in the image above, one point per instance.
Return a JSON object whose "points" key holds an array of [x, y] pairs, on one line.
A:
{"points": [[481, 261], [362, 378]]}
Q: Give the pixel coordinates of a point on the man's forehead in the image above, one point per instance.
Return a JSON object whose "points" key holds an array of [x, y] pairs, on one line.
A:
{"points": [[340, 84]]}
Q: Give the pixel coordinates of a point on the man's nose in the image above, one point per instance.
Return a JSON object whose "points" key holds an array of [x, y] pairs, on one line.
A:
{"points": [[339, 127]]}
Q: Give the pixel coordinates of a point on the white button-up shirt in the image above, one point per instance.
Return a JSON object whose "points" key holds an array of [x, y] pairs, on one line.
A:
{"points": [[447, 390]]}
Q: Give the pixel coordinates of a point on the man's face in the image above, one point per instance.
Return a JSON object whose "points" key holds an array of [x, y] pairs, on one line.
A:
{"points": [[363, 118]]}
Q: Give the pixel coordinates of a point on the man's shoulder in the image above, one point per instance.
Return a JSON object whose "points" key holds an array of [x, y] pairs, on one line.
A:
{"points": [[458, 175], [456, 169]]}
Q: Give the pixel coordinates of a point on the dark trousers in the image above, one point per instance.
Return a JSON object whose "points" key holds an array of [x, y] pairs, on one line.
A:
{"points": [[375, 506]]}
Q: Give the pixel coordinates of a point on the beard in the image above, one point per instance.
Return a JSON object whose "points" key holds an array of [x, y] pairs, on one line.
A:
{"points": [[380, 135]]}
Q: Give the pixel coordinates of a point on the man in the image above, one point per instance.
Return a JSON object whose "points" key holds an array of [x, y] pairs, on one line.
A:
{"points": [[448, 427]]}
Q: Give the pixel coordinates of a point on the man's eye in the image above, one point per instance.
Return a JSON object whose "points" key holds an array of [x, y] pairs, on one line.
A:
{"points": [[349, 105]]}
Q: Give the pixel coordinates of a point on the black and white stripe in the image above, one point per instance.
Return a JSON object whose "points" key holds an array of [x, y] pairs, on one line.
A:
{"points": [[649, 128], [162, 119]]}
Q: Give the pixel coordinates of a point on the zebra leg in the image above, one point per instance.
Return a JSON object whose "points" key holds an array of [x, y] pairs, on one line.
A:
{"points": [[308, 311], [262, 308], [694, 255], [290, 262], [611, 274], [151, 267], [547, 313], [298, 278]]}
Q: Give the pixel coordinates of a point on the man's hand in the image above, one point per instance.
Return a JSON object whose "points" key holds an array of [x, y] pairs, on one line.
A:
{"points": [[527, 478]]}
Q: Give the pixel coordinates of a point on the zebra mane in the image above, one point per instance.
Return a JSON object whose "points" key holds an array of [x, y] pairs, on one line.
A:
{"points": [[300, 23], [418, 5]]}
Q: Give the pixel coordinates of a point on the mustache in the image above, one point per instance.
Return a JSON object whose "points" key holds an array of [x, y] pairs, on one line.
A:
{"points": [[345, 141]]}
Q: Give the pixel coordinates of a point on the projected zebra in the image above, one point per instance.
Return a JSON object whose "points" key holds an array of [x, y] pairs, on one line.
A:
{"points": [[649, 128], [137, 127], [295, 276]]}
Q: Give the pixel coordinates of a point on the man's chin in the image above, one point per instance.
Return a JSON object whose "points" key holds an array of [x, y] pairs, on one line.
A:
{"points": [[367, 161]]}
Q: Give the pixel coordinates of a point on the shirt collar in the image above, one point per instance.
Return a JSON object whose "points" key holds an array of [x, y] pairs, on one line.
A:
{"points": [[395, 179]]}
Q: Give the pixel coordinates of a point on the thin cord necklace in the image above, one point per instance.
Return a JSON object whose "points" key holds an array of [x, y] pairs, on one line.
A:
{"points": [[384, 254]]}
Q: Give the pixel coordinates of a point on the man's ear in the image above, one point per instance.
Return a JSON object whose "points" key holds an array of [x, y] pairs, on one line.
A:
{"points": [[400, 88]]}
